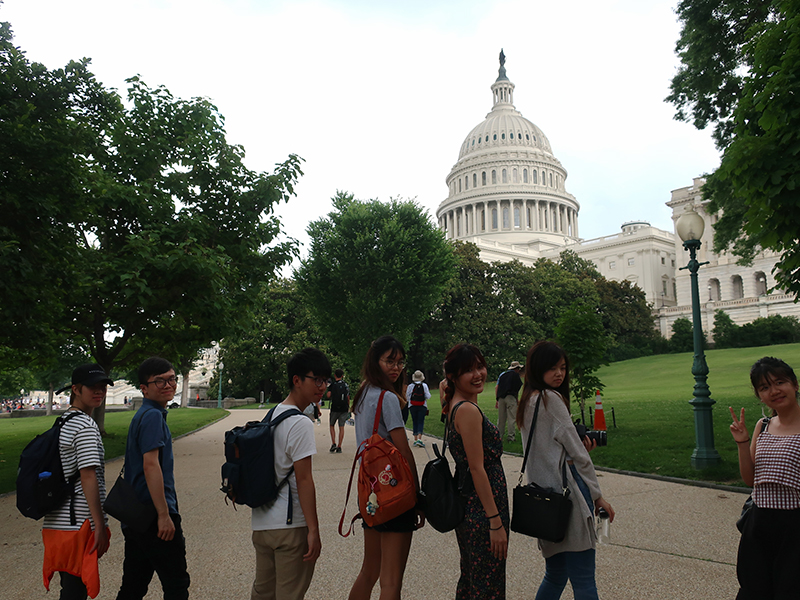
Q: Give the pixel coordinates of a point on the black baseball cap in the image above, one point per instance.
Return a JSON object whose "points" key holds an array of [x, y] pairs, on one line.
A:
{"points": [[89, 374]]}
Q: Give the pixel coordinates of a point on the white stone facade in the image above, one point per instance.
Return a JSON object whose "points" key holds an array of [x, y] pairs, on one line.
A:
{"points": [[507, 196]]}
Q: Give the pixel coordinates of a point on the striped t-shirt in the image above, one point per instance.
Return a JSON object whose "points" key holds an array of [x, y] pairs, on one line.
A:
{"points": [[81, 446]]}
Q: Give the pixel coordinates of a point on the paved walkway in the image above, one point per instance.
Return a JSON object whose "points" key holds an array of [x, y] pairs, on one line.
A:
{"points": [[669, 541]]}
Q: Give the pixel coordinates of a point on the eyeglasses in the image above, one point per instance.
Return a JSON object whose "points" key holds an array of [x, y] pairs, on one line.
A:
{"points": [[162, 383], [400, 364], [318, 381]]}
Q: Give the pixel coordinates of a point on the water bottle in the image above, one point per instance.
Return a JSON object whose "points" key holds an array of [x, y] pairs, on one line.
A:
{"points": [[603, 526]]}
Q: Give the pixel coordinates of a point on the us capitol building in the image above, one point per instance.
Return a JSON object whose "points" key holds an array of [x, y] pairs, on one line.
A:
{"points": [[507, 195]]}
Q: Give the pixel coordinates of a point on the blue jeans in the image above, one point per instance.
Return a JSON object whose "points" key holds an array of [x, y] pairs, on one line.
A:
{"points": [[578, 567], [418, 418]]}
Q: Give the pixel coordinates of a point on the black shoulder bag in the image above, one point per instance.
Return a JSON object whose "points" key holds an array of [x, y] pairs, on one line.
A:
{"points": [[540, 512], [444, 504]]}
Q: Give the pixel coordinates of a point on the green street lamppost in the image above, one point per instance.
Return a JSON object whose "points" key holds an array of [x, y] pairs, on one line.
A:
{"points": [[219, 396], [690, 229]]}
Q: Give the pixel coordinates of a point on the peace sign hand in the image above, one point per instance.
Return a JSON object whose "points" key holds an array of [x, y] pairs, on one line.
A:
{"points": [[738, 428]]}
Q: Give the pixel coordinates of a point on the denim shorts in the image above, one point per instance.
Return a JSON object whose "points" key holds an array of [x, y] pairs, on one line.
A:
{"points": [[400, 524]]}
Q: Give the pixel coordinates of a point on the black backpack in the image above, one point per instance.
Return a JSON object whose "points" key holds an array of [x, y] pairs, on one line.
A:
{"points": [[339, 393], [444, 503], [248, 475], [418, 395], [41, 485]]}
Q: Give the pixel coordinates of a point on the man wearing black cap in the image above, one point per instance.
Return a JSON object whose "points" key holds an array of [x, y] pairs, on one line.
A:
{"points": [[149, 465], [78, 528]]}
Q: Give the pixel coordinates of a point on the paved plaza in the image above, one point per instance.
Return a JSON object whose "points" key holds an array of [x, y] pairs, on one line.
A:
{"points": [[669, 541]]}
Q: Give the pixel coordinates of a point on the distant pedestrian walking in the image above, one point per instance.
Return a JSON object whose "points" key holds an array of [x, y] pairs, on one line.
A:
{"points": [[339, 395], [417, 395], [506, 392]]}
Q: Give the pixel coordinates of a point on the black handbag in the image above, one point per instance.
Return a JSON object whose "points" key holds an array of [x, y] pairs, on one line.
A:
{"points": [[122, 504], [444, 504], [540, 512]]}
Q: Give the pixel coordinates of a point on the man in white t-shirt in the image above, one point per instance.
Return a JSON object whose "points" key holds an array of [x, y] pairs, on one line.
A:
{"points": [[287, 549]]}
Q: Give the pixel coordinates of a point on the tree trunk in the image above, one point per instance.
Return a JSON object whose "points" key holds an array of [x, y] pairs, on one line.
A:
{"points": [[185, 389], [50, 401]]}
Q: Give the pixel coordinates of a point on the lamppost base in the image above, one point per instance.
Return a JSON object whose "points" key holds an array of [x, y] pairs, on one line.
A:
{"points": [[704, 460]]}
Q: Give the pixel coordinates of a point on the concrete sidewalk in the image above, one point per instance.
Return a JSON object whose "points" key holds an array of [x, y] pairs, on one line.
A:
{"points": [[669, 541]]}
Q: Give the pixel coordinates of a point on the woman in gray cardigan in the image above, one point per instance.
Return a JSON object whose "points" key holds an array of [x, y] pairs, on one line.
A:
{"points": [[555, 440]]}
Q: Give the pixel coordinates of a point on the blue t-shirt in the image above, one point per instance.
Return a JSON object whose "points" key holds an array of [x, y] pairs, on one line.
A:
{"points": [[149, 431]]}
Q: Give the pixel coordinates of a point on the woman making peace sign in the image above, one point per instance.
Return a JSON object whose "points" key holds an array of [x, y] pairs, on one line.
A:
{"points": [[769, 460]]}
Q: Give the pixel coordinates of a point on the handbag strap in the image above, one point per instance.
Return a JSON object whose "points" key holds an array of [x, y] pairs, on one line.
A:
{"points": [[528, 449]]}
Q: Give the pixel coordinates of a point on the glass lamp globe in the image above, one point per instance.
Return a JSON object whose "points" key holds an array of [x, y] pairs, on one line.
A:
{"points": [[690, 226]]}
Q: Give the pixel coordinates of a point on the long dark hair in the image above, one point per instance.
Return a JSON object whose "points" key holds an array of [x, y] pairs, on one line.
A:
{"points": [[460, 359], [542, 357], [372, 374], [768, 369]]}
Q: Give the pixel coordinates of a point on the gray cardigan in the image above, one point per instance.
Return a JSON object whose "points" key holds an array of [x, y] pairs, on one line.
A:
{"points": [[555, 438]]}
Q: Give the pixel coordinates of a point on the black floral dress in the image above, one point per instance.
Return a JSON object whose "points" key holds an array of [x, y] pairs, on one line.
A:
{"points": [[483, 577]]}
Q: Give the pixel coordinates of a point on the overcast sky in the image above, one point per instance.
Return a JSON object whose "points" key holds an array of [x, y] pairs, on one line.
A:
{"points": [[377, 96]]}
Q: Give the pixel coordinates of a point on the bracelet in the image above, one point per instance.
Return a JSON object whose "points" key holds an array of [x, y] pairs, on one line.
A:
{"points": [[492, 517], [744, 442], [495, 528]]}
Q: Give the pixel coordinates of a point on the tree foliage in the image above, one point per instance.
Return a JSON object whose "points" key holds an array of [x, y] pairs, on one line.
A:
{"points": [[255, 359], [136, 228], [740, 62], [373, 268], [682, 339], [764, 331]]}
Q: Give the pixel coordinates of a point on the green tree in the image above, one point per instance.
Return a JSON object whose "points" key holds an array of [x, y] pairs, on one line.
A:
{"points": [[739, 65], [373, 268], [158, 233], [682, 339], [255, 359], [469, 311], [581, 333], [726, 332]]}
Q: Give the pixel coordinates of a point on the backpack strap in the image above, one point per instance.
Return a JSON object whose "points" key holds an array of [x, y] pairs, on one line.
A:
{"points": [[273, 423], [359, 453], [528, 449]]}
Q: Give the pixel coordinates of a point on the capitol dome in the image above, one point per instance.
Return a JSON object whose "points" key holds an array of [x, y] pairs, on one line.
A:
{"points": [[507, 186]]}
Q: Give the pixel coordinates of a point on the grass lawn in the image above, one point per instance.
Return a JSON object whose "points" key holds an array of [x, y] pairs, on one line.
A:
{"points": [[16, 433], [655, 423]]}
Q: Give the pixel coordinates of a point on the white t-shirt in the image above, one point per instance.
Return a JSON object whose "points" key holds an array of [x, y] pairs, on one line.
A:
{"points": [[294, 440]]}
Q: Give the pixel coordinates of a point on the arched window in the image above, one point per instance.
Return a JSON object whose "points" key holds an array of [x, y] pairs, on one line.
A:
{"points": [[494, 218], [713, 290], [544, 178], [551, 180], [514, 176], [738, 287], [529, 222], [466, 182], [516, 217], [506, 224], [524, 175], [535, 177], [483, 178], [505, 176], [483, 219], [459, 185], [494, 177], [761, 283], [474, 180]]}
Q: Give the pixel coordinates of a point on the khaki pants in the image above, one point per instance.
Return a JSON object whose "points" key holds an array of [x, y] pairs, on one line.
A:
{"points": [[507, 409], [281, 573]]}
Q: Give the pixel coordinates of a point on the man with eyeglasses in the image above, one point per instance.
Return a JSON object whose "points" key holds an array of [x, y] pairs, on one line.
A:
{"points": [[287, 549], [149, 467]]}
